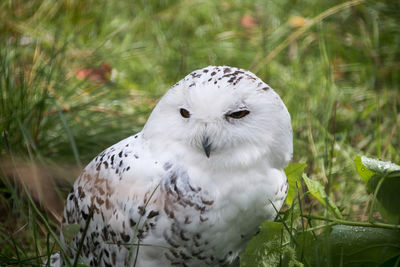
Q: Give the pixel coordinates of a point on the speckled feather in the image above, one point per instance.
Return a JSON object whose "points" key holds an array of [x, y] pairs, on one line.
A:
{"points": [[159, 186]]}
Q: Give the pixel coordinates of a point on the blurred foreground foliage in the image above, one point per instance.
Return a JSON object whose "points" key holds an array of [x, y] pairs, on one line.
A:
{"points": [[294, 241], [77, 76]]}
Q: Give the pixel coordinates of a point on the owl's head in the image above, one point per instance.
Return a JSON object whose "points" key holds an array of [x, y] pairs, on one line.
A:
{"points": [[222, 116]]}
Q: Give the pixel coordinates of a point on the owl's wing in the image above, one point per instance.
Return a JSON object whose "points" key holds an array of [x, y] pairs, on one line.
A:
{"points": [[113, 201], [126, 194]]}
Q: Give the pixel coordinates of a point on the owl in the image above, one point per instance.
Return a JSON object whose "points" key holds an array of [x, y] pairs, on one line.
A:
{"points": [[191, 188]]}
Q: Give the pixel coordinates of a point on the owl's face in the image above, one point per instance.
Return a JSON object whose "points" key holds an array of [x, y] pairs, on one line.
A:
{"points": [[225, 116]]}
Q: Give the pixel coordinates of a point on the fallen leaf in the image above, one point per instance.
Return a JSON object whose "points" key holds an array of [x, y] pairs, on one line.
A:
{"points": [[98, 75], [248, 21]]}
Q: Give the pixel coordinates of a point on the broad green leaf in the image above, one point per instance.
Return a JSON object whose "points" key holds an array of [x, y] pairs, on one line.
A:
{"points": [[265, 249], [350, 246], [363, 171], [70, 230], [379, 166], [384, 177], [293, 174], [317, 190], [388, 196]]}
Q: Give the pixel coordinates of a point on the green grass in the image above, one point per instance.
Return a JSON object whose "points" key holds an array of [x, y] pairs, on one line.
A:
{"points": [[337, 70]]}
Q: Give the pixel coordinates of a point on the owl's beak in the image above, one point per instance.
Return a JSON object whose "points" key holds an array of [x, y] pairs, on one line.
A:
{"points": [[207, 146]]}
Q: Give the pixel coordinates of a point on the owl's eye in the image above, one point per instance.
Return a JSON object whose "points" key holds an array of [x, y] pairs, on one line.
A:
{"points": [[238, 114], [184, 113]]}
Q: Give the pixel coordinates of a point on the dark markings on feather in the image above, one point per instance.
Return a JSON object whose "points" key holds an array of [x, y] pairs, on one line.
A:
{"points": [[169, 212], [125, 237], [142, 210], [238, 80], [207, 202], [184, 256], [136, 156], [213, 73], [167, 166], [84, 215], [128, 168], [108, 204], [174, 253], [105, 164], [169, 240], [209, 79], [187, 221], [226, 70], [112, 233], [112, 159], [198, 189], [192, 84], [100, 201], [81, 193], [203, 219], [195, 75], [200, 257], [195, 254], [205, 70], [182, 235], [152, 214], [132, 222], [120, 154]]}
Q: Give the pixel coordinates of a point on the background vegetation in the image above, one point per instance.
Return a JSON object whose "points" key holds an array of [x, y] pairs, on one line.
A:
{"points": [[77, 76]]}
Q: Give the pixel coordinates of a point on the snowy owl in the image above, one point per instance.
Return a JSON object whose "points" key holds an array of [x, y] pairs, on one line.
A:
{"points": [[191, 188]]}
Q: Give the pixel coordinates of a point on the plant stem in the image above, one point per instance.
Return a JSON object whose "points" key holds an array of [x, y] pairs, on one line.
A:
{"points": [[352, 223]]}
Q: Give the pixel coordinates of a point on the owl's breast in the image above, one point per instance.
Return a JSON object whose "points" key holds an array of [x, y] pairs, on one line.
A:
{"points": [[212, 215]]}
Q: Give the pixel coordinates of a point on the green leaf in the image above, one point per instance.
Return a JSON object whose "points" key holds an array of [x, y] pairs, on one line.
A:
{"points": [[265, 249], [69, 231], [379, 166], [293, 174], [317, 190], [265, 244], [383, 177], [362, 170], [351, 246]]}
